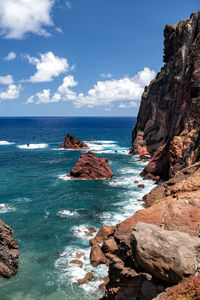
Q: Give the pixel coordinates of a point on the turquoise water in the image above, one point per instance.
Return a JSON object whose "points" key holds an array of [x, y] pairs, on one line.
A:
{"points": [[49, 213]]}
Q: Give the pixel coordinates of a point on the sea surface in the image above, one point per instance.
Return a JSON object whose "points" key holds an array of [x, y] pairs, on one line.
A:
{"points": [[50, 213]]}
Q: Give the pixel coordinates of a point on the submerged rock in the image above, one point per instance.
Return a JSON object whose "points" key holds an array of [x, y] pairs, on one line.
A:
{"points": [[8, 252], [71, 142], [89, 166]]}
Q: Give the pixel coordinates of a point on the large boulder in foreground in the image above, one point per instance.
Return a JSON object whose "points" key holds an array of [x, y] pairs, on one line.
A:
{"points": [[89, 166], [8, 252], [71, 142], [168, 255]]}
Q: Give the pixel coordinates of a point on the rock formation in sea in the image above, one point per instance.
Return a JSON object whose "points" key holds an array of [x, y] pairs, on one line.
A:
{"points": [[71, 142], [89, 166], [168, 124], [8, 252], [155, 254]]}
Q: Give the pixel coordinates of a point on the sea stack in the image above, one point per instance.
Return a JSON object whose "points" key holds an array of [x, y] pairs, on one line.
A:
{"points": [[71, 142], [168, 124], [8, 252], [89, 166]]}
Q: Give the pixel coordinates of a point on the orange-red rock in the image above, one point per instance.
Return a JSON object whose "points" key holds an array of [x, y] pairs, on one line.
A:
{"points": [[71, 142]]}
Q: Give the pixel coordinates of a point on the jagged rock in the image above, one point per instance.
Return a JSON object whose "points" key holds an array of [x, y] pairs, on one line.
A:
{"points": [[88, 277], [188, 289], [89, 166], [8, 252], [103, 234], [168, 123], [71, 142], [168, 255], [77, 262], [96, 256]]}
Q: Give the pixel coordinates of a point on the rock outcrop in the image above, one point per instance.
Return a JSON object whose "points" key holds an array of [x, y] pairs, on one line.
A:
{"points": [[71, 142], [167, 255], [89, 166], [168, 124], [8, 252]]}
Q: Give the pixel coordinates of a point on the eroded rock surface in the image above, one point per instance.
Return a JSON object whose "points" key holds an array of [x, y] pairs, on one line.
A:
{"points": [[168, 124], [89, 166], [8, 252], [71, 142]]}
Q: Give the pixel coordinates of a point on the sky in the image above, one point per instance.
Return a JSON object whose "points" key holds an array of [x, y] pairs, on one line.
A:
{"points": [[81, 57]]}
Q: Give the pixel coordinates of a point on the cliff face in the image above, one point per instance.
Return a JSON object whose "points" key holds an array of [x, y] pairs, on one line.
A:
{"points": [[168, 124]]}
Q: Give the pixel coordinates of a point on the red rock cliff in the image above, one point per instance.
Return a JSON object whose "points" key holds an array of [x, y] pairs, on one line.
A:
{"points": [[168, 124]]}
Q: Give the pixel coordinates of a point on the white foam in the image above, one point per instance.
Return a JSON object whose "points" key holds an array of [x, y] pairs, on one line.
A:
{"points": [[4, 208], [5, 143], [64, 177], [83, 232], [67, 213], [33, 146]]}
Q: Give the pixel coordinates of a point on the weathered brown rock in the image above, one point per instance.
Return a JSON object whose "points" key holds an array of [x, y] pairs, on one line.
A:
{"points": [[141, 186], [97, 257], [168, 255], [103, 234], [77, 262], [188, 289], [8, 252], [168, 123], [89, 166], [88, 277], [71, 142]]}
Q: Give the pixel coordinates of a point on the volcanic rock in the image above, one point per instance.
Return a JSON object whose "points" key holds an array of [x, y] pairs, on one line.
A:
{"points": [[89, 166], [168, 123], [71, 142], [168, 255], [8, 252]]}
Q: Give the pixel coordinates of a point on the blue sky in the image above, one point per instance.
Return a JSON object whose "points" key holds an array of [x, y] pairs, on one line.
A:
{"points": [[81, 57]]}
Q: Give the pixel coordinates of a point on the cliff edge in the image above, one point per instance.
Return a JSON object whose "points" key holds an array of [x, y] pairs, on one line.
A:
{"points": [[168, 123]]}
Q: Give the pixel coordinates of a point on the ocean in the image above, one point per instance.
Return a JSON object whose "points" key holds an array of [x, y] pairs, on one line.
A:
{"points": [[50, 213]]}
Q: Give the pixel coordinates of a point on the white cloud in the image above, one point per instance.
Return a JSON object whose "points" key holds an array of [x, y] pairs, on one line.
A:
{"points": [[128, 104], [19, 17], [11, 55], [108, 75], [48, 67], [6, 79], [103, 93], [68, 4], [12, 92]]}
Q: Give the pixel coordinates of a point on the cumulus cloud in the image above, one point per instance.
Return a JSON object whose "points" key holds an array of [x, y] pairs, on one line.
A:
{"points": [[6, 79], [19, 17], [48, 67], [44, 97], [12, 92], [108, 75], [11, 55], [127, 88], [103, 93], [127, 104]]}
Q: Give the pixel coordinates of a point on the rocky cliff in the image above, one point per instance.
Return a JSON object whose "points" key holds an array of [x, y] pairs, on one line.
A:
{"points": [[168, 124], [159, 246]]}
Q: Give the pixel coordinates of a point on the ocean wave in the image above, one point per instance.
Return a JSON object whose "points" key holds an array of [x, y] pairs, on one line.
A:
{"points": [[64, 177], [107, 147], [5, 143], [4, 208], [84, 232], [33, 146], [67, 213]]}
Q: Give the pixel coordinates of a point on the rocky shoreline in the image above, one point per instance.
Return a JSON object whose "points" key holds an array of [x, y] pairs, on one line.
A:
{"points": [[159, 246]]}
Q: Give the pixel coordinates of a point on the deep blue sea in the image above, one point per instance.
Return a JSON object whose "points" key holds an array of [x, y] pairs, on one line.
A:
{"points": [[49, 212]]}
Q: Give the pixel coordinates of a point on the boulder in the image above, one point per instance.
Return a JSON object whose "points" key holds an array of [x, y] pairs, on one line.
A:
{"points": [[89, 166], [8, 252], [71, 142], [77, 262], [103, 234], [88, 277], [96, 256], [168, 255]]}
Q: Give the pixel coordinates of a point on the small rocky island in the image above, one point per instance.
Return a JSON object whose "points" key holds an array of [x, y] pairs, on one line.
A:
{"points": [[89, 166], [71, 142], [8, 252], [155, 254]]}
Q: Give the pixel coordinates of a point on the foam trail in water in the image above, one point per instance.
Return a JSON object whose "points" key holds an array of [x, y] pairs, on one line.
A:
{"points": [[4, 208], [5, 143], [33, 146], [67, 213]]}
